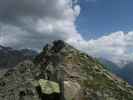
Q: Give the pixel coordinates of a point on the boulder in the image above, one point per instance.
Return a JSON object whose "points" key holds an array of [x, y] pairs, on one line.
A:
{"points": [[47, 87], [72, 90]]}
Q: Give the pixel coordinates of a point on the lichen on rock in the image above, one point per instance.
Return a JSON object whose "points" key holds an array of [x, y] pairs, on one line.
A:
{"points": [[49, 87]]}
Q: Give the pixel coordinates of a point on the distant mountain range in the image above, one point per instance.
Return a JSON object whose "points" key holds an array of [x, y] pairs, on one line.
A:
{"points": [[10, 57], [126, 72], [110, 65]]}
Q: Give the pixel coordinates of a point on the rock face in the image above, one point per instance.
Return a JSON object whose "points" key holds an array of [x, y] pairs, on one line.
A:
{"points": [[61, 72], [72, 90]]}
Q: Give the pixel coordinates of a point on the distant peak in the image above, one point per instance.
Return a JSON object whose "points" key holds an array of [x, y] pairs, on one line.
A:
{"points": [[55, 46], [58, 45], [5, 48]]}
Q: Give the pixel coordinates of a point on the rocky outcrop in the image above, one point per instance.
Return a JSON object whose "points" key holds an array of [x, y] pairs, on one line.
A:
{"points": [[61, 72], [24, 83]]}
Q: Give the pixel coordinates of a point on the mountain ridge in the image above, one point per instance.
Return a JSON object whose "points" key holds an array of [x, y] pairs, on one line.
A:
{"points": [[72, 75]]}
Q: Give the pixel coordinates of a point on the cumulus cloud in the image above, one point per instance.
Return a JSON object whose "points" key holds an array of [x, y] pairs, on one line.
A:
{"points": [[32, 23], [117, 47]]}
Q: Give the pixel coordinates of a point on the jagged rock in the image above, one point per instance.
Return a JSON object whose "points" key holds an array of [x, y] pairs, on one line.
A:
{"points": [[19, 83]]}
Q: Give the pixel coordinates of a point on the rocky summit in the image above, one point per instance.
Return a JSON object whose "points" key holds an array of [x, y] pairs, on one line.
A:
{"points": [[61, 72]]}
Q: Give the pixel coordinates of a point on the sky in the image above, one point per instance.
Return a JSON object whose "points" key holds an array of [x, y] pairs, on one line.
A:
{"points": [[101, 17], [101, 28]]}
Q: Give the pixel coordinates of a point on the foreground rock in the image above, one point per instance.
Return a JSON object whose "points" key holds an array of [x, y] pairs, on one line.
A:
{"points": [[61, 72]]}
